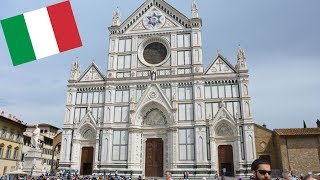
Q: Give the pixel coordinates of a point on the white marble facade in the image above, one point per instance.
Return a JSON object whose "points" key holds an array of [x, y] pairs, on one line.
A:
{"points": [[156, 87]]}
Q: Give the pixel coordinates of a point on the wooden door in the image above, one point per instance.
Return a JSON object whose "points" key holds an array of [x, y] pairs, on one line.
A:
{"points": [[225, 155], [154, 158], [86, 161]]}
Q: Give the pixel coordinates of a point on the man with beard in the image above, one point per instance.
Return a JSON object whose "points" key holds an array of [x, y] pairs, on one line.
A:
{"points": [[261, 169]]}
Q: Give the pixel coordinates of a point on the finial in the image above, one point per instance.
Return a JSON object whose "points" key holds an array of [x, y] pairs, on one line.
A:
{"points": [[194, 9], [116, 17], [89, 107], [222, 103], [241, 64]]}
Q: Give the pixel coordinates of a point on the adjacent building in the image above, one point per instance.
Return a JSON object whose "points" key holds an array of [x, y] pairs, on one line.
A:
{"points": [[294, 149], [11, 142], [157, 108], [47, 135]]}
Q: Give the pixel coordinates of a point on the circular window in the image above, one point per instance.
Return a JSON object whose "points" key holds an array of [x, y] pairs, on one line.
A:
{"points": [[154, 51]]}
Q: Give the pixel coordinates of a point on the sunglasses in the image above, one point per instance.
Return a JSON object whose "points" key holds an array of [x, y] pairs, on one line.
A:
{"points": [[263, 172]]}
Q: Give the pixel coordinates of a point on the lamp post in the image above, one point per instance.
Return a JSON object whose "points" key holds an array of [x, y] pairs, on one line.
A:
{"points": [[33, 165]]}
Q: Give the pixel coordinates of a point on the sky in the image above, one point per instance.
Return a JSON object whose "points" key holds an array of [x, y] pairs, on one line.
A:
{"points": [[281, 40]]}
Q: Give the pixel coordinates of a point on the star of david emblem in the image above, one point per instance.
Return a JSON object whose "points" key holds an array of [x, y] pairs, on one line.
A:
{"points": [[154, 19]]}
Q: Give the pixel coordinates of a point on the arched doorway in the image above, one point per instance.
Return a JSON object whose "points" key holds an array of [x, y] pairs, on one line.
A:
{"points": [[225, 159]]}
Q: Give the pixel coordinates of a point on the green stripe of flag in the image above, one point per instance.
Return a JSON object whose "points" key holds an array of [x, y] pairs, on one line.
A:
{"points": [[18, 40]]}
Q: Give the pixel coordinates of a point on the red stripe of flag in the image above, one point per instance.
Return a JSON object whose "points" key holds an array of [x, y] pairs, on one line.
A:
{"points": [[64, 26]]}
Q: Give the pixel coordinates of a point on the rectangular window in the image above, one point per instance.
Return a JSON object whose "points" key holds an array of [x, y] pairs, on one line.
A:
{"points": [[221, 92], [124, 45], [4, 133], [1, 151], [120, 145], [120, 62], [112, 45], [121, 114], [184, 57], [78, 98], [95, 97], [235, 91], [183, 40], [8, 154], [16, 154], [185, 93], [122, 96], [185, 112], [128, 45], [90, 97], [186, 144], [228, 91], [11, 137], [101, 97], [186, 40], [211, 110], [180, 40], [18, 139], [84, 98]]}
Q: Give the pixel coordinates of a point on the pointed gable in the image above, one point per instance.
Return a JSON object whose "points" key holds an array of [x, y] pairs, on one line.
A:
{"points": [[220, 66], [223, 114], [154, 15], [92, 73], [87, 127], [154, 93], [88, 119]]}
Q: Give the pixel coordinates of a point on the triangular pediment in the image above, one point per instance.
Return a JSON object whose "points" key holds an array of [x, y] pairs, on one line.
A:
{"points": [[223, 114], [220, 65], [88, 119], [92, 73], [154, 15], [154, 93]]}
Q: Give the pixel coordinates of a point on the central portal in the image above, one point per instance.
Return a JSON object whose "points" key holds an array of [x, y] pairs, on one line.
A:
{"points": [[86, 161], [225, 155], [154, 157]]}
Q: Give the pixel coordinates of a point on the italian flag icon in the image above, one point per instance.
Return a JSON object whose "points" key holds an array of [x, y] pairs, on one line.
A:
{"points": [[41, 33]]}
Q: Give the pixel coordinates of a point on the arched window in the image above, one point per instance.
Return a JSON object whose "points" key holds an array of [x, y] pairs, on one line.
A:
{"points": [[1, 150], [8, 154], [16, 153]]}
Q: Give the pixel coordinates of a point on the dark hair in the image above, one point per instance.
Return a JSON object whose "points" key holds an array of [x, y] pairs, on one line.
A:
{"points": [[255, 164]]}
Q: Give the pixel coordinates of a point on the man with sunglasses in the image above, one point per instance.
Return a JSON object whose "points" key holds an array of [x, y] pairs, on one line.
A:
{"points": [[261, 169]]}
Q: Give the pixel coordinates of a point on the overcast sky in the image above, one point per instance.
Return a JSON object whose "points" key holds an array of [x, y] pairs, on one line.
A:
{"points": [[281, 40]]}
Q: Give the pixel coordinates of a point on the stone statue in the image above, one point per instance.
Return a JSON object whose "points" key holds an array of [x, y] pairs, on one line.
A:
{"points": [[116, 18], [75, 71], [35, 137], [194, 10]]}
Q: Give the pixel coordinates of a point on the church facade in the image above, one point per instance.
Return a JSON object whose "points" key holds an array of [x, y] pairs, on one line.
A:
{"points": [[157, 108]]}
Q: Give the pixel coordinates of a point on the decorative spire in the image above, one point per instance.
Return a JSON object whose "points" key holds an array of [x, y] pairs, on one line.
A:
{"points": [[75, 71], [194, 9], [241, 64], [116, 17]]}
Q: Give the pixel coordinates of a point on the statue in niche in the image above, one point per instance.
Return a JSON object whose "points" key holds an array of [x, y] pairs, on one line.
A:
{"points": [[153, 75], [198, 92], [199, 111]]}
